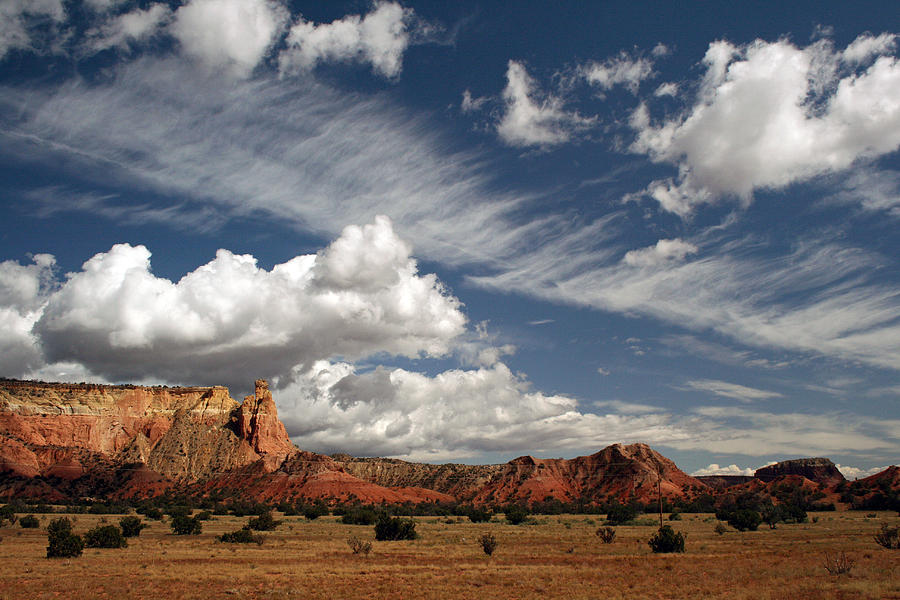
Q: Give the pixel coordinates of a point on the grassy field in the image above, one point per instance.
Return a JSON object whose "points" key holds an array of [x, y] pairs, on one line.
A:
{"points": [[550, 557]]}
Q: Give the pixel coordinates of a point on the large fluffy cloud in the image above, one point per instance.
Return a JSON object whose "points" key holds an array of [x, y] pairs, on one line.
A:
{"points": [[454, 414], [230, 321], [23, 290], [232, 35], [770, 113], [379, 38]]}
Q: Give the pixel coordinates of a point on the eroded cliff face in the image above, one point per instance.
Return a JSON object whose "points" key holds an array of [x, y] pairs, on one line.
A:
{"points": [[181, 433], [61, 441]]}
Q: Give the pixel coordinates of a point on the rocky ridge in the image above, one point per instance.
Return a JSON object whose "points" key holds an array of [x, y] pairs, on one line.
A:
{"points": [[67, 441]]}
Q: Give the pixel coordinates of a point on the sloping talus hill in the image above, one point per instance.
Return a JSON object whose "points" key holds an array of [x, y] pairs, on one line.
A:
{"points": [[618, 471]]}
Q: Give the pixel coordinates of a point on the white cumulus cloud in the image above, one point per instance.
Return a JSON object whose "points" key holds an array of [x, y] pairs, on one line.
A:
{"points": [[664, 251], [715, 469], [231, 321], [769, 114], [457, 413], [229, 35], [531, 118], [380, 38], [619, 70], [857, 473], [866, 46], [128, 28]]}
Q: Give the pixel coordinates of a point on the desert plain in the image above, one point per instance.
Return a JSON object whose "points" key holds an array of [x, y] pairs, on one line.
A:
{"points": [[550, 556]]}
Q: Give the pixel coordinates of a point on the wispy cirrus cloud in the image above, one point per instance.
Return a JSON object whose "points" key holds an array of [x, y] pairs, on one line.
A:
{"points": [[726, 389]]}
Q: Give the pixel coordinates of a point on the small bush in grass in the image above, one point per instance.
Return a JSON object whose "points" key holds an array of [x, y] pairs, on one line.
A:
{"points": [[151, 512], [720, 528], [389, 528], [606, 534], [745, 520], [29, 522], [667, 540], [7, 513], [359, 546], [182, 525], [888, 537], [617, 514], [179, 510], [204, 516], [477, 515], [488, 543], [675, 516], [359, 516], [263, 522], [105, 536], [314, 511], [242, 536], [131, 526], [516, 514], [62, 543], [838, 564]]}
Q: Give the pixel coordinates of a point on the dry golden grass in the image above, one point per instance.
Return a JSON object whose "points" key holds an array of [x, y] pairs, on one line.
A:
{"points": [[553, 557]]}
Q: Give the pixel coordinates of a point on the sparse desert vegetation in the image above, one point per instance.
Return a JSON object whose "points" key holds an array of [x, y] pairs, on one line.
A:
{"points": [[546, 557]]}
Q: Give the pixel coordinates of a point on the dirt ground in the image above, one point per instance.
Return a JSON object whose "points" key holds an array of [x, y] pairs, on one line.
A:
{"points": [[550, 557]]}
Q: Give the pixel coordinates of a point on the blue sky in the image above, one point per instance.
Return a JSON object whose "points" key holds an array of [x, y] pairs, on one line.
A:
{"points": [[463, 231]]}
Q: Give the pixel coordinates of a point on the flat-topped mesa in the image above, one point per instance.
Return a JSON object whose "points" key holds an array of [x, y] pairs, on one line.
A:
{"points": [[258, 424], [820, 470], [104, 418]]}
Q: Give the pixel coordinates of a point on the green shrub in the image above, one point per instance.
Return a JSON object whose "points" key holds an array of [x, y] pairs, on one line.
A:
{"points": [[888, 537], [7, 513], [62, 543], [182, 525], [838, 564], [203, 516], [606, 534], [263, 522], [618, 514], [314, 511], [359, 515], [105, 536], [744, 519], [29, 522], [131, 526], [675, 516], [667, 540], [151, 512], [488, 543], [179, 511], [359, 546], [389, 528], [516, 514], [242, 536], [479, 516]]}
